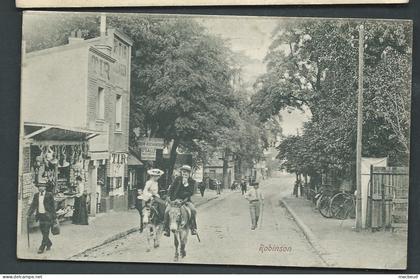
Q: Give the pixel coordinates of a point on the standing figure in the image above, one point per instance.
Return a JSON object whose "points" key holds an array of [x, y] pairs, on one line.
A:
{"points": [[139, 207], [218, 186], [202, 187], [80, 214], [44, 207], [243, 186], [256, 203], [182, 189]]}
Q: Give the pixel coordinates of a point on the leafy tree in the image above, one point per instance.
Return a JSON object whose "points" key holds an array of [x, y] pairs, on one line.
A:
{"points": [[313, 64]]}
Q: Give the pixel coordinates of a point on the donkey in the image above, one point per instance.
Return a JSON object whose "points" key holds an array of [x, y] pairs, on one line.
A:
{"points": [[152, 222], [179, 224]]}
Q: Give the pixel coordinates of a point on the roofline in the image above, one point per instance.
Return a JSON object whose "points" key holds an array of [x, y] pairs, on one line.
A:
{"points": [[102, 54], [122, 35], [84, 43], [75, 129], [50, 50]]}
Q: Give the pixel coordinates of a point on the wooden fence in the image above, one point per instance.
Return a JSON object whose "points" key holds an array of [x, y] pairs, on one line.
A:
{"points": [[388, 198]]}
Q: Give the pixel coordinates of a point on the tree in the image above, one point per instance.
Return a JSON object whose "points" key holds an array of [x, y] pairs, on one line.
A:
{"points": [[313, 64], [181, 81]]}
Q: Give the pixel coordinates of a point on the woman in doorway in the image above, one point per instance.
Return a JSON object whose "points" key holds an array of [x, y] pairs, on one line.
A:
{"points": [[80, 214]]}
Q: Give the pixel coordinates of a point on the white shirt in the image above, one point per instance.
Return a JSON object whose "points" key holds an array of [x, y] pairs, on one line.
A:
{"points": [[151, 187], [41, 208], [254, 195]]}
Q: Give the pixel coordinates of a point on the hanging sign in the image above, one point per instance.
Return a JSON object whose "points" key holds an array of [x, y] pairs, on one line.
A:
{"points": [[148, 147]]}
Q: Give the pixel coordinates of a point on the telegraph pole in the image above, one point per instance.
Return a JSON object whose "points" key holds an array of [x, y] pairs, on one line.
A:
{"points": [[359, 131]]}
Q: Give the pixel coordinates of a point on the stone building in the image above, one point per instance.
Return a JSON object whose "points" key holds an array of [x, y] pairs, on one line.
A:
{"points": [[81, 87]]}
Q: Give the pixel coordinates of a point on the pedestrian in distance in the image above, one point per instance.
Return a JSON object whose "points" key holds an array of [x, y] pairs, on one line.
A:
{"points": [[202, 187], [255, 198], [218, 187], [44, 207], [243, 186]]}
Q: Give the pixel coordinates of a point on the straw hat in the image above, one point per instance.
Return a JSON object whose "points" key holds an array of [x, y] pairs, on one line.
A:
{"points": [[185, 168], [155, 172]]}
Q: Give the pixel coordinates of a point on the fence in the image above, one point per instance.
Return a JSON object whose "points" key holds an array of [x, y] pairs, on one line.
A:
{"points": [[388, 198]]}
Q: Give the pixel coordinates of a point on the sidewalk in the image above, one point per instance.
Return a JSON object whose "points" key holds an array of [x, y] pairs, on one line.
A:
{"points": [[339, 245], [103, 228]]}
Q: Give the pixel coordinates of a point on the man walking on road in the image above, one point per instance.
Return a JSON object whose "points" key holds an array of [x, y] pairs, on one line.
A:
{"points": [[256, 203]]}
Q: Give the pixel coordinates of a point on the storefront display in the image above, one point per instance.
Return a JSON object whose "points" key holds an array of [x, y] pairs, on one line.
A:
{"points": [[58, 166]]}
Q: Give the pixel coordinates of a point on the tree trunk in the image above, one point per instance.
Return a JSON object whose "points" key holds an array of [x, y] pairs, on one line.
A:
{"points": [[172, 160], [239, 168], [225, 170]]}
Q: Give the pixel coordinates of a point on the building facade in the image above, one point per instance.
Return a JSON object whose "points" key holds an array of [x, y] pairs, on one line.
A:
{"points": [[83, 86]]}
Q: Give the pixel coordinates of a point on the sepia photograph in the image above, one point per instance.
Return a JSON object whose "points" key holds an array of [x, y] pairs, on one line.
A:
{"points": [[235, 140]]}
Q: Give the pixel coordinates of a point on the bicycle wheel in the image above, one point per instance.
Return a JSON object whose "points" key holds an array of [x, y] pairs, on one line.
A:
{"points": [[324, 206], [337, 206]]}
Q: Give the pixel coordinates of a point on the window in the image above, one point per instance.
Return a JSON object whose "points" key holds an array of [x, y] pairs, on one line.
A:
{"points": [[118, 112], [115, 46], [100, 104]]}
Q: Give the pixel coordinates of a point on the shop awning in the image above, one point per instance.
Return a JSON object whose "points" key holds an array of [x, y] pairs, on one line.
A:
{"points": [[54, 134], [133, 160]]}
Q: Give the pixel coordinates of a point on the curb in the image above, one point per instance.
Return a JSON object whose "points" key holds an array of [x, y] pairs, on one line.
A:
{"points": [[312, 239], [125, 233]]}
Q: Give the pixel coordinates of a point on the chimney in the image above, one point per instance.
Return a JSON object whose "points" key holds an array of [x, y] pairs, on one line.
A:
{"points": [[76, 37], [103, 45], [103, 25]]}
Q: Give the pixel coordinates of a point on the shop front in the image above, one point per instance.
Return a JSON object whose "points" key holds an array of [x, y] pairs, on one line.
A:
{"points": [[115, 195], [55, 156], [136, 177]]}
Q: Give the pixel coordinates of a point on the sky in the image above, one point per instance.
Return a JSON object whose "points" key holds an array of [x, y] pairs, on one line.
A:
{"points": [[252, 37]]}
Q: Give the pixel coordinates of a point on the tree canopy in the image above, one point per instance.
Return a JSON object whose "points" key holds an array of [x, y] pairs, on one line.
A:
{"points": [[313, 65]]}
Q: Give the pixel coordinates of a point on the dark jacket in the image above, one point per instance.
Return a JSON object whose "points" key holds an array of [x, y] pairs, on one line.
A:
{"points": [[49, 206], [178, 191]]}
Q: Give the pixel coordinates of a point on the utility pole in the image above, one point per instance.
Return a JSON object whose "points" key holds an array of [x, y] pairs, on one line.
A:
{"points": [[359, 131]]}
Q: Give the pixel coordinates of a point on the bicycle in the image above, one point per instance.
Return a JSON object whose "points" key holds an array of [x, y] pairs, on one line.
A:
{"points": [[324, 200], [342, 205]]}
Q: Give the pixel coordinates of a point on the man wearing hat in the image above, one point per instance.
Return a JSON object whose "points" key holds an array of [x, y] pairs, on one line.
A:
{"points": [[256, 202], [151, 190], [44, 208], [182, 189]]}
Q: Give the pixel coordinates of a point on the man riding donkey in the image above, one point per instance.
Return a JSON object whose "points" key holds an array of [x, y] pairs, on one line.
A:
{"points": [[182, 189]]}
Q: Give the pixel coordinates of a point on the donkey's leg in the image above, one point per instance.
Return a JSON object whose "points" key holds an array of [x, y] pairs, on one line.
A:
{"points": [[158, 231], [176, 242], [149, 234], [184, 239]]}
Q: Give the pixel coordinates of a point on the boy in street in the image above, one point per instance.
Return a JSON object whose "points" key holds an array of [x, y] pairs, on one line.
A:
{"points": [[256, 202]]}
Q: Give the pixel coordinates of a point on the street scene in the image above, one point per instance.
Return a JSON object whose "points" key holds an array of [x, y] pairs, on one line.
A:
{"points": [[214, 140]]}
